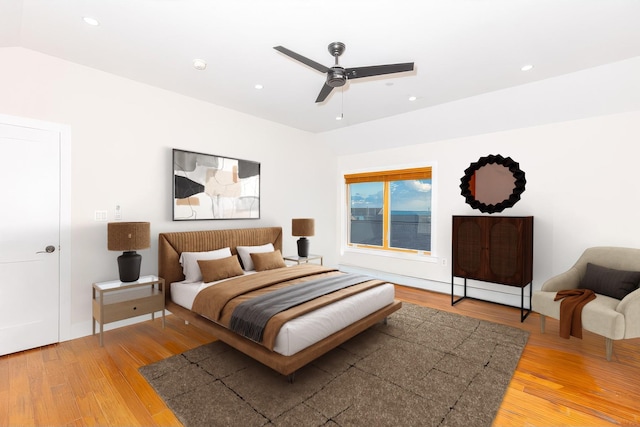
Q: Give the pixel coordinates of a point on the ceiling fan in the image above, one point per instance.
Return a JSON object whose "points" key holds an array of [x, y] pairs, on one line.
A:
{"points": [[337, 75]]}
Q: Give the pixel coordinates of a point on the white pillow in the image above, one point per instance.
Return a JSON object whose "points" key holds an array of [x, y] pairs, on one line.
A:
{"points": [[246, 251], [189, 261]]}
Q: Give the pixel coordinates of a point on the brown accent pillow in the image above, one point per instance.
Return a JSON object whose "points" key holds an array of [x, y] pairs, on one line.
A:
{"points": [[610, 282], [218, 269], [267, 260]]}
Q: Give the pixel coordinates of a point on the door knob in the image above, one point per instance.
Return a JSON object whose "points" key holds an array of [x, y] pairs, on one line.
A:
{"points": [[49, 249]]}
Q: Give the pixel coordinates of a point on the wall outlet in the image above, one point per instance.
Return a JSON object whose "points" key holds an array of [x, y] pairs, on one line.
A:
{"points": [[443, 261]]}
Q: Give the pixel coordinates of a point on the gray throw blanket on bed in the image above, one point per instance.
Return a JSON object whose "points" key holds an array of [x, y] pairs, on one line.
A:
{"points": [[250, 317]]}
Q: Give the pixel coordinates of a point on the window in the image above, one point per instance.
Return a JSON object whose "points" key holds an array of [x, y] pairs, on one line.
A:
{"points": [[390, 210]]}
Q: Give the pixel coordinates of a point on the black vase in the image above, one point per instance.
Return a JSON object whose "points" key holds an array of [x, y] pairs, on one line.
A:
{"points": [[129, 266], [303, 247]]}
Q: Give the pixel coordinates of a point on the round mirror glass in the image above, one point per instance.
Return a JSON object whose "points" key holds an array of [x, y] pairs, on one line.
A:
{"points": [[493, 183]]}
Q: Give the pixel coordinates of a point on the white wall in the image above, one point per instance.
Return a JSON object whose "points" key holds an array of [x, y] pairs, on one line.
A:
{"points": [[581, 188], [122, 134]]}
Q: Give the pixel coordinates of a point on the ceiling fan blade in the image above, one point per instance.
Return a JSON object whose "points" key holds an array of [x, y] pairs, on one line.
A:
{"points": [[377, 70], [304, 60], [324, 92]]}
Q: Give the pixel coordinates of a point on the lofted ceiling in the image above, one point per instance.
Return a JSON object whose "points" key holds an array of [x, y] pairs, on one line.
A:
{"points": [[460, 48]]}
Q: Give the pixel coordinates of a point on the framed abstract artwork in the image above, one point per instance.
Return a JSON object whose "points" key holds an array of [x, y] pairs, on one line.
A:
{"points": [[209, 187]]}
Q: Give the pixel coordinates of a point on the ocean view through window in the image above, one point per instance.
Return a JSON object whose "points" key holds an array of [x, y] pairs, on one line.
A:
{"points": [[390, 210]]}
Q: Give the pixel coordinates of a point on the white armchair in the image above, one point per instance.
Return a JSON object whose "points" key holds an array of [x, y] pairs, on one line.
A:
{"points": [[613, 318]]}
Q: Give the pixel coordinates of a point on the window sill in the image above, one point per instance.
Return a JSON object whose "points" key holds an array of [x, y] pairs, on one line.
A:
{"points": [[421, 256]]}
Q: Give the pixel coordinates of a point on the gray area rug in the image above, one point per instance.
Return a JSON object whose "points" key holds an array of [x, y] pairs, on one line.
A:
{"points": [[424, 368]]}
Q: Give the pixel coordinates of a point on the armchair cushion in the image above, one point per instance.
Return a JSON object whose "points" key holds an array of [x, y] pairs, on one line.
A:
{"points": [[610, 282]]}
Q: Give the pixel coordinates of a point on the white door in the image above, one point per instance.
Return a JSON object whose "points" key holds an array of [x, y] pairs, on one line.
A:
{"points": [[29, 237]]}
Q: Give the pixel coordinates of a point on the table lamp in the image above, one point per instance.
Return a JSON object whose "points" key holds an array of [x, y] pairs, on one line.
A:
{"points": [[128, 237], [303, 227]]}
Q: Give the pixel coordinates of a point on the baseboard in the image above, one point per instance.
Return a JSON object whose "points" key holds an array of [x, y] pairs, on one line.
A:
{"points": [[492, 292]]}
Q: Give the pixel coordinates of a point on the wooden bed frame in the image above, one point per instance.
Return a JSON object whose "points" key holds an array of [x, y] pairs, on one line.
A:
{"points": [[171, 245]]}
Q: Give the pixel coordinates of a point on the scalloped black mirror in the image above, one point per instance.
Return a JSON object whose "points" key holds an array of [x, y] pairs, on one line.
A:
{"points": [[493, 183]]}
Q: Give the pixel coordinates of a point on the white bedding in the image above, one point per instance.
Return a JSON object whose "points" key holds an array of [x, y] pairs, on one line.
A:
{"points": [[309, 328]]}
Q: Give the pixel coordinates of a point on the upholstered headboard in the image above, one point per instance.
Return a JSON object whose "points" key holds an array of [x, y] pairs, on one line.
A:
{"points": [[171, 245]]}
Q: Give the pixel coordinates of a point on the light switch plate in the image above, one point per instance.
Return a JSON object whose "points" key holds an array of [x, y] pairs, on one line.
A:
{"points": [[100, 216]]}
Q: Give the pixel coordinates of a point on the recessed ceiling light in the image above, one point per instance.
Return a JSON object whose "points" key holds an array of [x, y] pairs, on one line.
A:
{"points": [[199, 64], [91, 21], [339, 117], [258, 86], [413, 98], [527, 67]]}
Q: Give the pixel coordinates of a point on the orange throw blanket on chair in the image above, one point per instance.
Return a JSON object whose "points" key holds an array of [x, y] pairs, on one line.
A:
{"points": [[573, 300]]}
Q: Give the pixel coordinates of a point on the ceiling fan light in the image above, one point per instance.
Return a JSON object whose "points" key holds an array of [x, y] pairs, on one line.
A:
{"points": [[336, 77]]}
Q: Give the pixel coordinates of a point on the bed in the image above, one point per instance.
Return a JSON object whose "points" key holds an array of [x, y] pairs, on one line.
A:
{"points": [[173, 244]]}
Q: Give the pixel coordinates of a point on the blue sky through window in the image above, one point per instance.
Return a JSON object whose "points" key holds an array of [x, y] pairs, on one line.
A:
{"points": [[410, 195]]}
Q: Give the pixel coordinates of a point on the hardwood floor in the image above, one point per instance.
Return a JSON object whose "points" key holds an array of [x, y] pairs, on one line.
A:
{"points": [[557, 382]]}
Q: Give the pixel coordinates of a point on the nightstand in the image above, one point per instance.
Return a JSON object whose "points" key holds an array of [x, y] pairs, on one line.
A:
{"points": [[116, 300], [302, 260]]}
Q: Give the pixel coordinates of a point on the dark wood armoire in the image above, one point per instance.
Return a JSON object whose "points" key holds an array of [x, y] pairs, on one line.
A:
{"points": [[497, 249]]}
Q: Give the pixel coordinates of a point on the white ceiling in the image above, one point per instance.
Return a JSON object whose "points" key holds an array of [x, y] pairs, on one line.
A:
{"points": [[461, 48]]}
